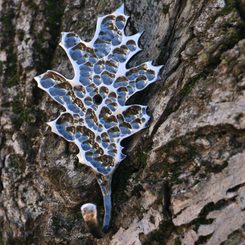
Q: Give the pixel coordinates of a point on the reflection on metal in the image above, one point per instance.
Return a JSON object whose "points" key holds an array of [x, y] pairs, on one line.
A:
{"points": [[96, 118]]}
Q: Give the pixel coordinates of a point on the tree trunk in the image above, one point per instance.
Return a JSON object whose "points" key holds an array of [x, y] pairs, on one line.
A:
{"points": [[183, 181]]}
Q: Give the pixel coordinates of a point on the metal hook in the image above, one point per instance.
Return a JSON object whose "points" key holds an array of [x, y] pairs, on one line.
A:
{"points": [[89, 210], [97, 122]]}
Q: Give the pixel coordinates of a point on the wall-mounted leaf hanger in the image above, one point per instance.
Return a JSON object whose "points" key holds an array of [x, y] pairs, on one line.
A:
{"points": [[96, 118]]}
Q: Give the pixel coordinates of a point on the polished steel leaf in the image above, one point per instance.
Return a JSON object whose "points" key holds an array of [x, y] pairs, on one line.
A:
{"points": [[96, 117]]}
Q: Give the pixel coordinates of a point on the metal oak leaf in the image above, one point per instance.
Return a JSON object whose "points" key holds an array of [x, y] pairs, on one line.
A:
{"points": [[96, 118]]}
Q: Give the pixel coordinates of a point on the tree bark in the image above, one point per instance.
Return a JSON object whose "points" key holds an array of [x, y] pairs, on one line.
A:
{"points": [[183, 181]]}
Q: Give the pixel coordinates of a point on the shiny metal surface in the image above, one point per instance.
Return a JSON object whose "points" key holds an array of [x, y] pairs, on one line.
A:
{"points": [[96, 118]]}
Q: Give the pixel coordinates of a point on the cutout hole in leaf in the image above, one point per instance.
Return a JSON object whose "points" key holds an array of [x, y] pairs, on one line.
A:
{"points": [[97, 99]]}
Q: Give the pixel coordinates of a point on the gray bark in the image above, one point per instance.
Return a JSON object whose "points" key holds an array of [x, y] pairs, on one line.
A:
{"points": [[183, 181]]}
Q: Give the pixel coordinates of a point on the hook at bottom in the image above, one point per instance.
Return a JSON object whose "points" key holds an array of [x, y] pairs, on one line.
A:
{"points": [[89, 210]]}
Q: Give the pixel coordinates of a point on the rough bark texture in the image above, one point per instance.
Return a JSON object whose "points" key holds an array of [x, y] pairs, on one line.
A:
{"points": [[184, 179]]}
